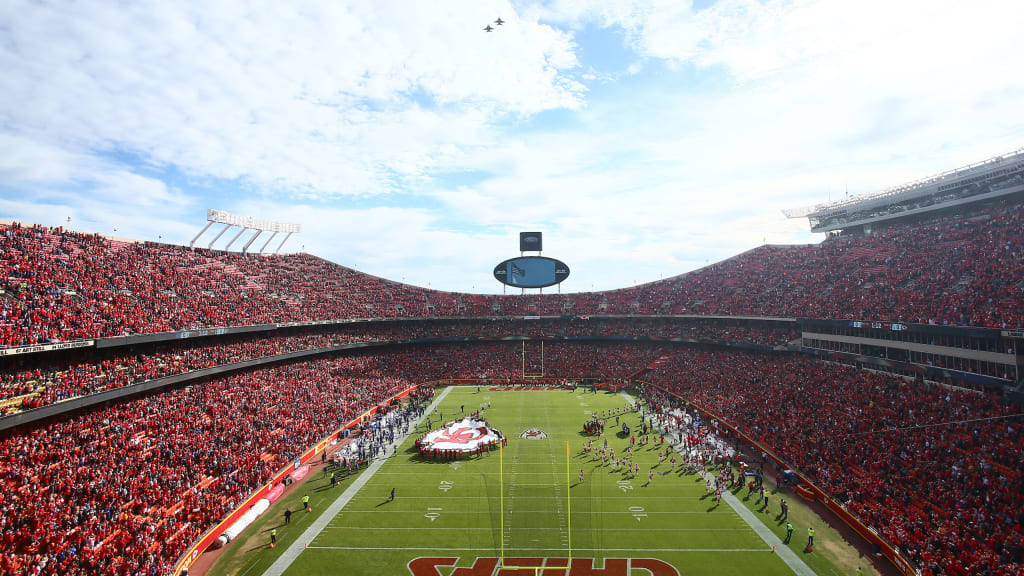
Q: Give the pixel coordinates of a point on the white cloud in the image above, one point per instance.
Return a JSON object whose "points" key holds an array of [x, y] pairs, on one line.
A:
{"points": [[401, 244], [319, 99], [351, 117]]}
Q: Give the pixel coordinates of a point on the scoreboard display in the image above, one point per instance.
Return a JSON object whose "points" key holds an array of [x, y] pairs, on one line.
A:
{"points": [[531, 241], [531, 272]]}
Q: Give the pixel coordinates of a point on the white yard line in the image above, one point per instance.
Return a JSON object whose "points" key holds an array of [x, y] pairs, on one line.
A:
{"points": [[292, 552]]}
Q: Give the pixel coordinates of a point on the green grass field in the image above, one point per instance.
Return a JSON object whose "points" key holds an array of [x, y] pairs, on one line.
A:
{"points": [[522, 505]]}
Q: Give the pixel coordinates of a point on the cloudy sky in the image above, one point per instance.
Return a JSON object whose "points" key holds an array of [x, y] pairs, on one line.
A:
{"points": [[644, 138]]}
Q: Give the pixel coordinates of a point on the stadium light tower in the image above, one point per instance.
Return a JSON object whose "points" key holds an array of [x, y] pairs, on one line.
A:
{"points": [[246, 223]]}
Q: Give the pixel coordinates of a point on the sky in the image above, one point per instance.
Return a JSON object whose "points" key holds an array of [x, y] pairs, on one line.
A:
{"points": [[644, 138]]}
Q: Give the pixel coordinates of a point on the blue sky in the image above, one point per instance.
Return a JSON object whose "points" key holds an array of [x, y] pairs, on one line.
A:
{"points": [[645, 138]]}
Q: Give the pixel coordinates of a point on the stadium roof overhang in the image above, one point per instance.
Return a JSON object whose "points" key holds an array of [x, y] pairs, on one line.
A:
{"points": [[885, 218]]}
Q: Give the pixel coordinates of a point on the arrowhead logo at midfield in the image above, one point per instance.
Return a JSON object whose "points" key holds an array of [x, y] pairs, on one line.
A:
{"points": [[534, 434]]}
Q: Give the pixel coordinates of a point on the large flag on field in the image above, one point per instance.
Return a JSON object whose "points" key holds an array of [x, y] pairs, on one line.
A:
{"points": [[465, 435]]}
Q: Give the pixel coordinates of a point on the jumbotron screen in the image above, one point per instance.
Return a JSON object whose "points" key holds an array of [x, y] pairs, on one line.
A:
{"points": [[531, 272]]}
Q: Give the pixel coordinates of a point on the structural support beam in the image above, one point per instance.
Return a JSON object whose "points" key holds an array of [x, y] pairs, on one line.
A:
{"points": [[251, 240], [278, 251], [201, 232], [240, 232], [267, 242], [217, 237]]}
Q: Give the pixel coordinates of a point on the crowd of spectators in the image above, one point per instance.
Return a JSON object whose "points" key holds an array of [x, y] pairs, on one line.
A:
{"points": [[727, 330], [124, 490], [505, 361], [59, 285], [39, 382], [30, 381], [960, 270], [936, 472]]}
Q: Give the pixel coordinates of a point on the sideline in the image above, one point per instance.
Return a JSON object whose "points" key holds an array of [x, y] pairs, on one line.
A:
{"points": [[292, 552], [784, 552], [795, 563]]}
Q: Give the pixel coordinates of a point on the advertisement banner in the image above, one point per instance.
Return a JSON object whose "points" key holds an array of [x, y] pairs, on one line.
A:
{"points": [[46, 347]]}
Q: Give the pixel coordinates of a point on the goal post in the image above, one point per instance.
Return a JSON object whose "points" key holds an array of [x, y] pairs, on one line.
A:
{"points": [[533, 359]]}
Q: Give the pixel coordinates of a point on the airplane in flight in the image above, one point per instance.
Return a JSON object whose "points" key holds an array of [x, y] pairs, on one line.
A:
{"points": [[488, 28], [499, 21]]}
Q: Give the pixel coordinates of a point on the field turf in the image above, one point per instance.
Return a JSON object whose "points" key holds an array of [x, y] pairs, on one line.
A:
{"points": [[522, 504]]}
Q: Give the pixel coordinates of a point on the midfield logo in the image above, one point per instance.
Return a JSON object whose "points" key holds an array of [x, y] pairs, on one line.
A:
{"points": [[428, 566], [534, 434]]}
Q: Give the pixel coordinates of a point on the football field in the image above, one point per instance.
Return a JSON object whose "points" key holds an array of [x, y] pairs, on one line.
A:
{"points": [[525, 506]]}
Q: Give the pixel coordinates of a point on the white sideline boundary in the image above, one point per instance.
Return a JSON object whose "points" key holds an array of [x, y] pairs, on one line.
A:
{"points": [[292, 552], [795, 563]]}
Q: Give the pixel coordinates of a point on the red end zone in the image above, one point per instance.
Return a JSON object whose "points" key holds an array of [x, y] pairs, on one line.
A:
{"points": [[428, 566]]}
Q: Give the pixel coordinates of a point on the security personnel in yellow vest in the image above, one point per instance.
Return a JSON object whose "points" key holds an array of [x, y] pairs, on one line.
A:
{"points": [[810, 537], [305, 502], [273, 537]]}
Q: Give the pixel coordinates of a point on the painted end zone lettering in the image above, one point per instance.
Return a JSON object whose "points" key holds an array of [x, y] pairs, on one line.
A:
{"points": [[428, 566]]}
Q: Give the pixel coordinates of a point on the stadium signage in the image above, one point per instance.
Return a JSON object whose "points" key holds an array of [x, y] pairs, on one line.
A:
{"points": [[895, 326], [201, 333], [1013, 333], [531, 272], [304, 323], [224, 217], [428, 566], [46, 347]]}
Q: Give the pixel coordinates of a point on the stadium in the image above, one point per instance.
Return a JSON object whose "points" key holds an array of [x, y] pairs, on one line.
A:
{"points": [[833, 390], [145, 413]]}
